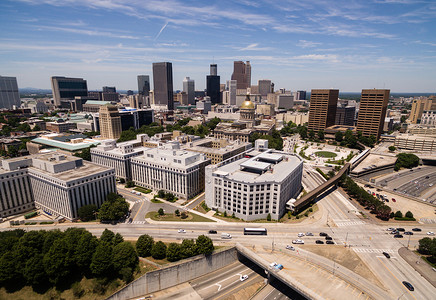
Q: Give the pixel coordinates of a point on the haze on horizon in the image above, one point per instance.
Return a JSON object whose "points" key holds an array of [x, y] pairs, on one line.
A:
{"points": [[298, 45]]}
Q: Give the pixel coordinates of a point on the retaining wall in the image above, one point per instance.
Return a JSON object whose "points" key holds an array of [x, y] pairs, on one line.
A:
{"points": [[176, 274]]}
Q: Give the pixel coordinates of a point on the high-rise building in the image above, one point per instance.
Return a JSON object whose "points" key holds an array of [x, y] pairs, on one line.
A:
{"points": [[65, 88], [143, 85], [109, 89], [9, 95], [322, 112], [240, 74], [372, 112], [264, 87], [213, 85], [110, 122], [345, 114], [189, 89], [163, 84], [301, 95], [213, 69], [248, 73], [231, 87], [419, 106]]}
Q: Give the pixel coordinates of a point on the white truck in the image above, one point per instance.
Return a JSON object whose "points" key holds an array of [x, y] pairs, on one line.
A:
{"points": [[226, 235]]}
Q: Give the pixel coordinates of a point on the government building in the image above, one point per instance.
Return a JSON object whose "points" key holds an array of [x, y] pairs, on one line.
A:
{"points": [[256, 185]]}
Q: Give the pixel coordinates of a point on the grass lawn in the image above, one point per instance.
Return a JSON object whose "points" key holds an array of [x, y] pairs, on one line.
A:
{"points": [[154, 200], [327, 154], [173, 218], [142, 190]]}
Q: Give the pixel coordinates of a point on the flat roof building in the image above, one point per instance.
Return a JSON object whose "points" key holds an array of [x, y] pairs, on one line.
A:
{"points": [[163, 84], [322, 111], [372, 112], [9, 95], [65, 88]]}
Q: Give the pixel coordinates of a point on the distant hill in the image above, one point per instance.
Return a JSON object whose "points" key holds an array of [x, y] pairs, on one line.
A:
{"points": [[30, 90]]}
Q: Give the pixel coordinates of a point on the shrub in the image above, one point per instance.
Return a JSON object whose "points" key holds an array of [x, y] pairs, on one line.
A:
{"points": [[392, 148], [144, 244], [177, 212], [87, 212], [184, 215], [268, 218], [173, 252], [398, 214], [204, 245], [161, 211], [409, 214], [159, 250]]}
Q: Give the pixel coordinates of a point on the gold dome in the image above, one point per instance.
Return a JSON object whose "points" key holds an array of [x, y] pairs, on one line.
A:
{"points": [[247, 104]]}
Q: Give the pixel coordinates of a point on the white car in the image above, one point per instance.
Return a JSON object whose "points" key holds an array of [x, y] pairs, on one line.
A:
{"points": [[430, 233], [300, 234], [289, 247], [309, 234], [243, 277], [273, 264], [390, 229], [297, 242], [181, 231]]}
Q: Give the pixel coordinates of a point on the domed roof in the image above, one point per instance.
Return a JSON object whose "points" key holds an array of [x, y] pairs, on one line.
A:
{"points": [[247, 104]]}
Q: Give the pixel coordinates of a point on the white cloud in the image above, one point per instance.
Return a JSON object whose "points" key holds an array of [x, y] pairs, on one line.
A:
{"points": [[89, 32], [307, 44], [254, 47]]}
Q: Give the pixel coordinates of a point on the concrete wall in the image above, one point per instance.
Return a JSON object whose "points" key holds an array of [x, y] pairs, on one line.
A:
{"points": [[176, 274]]}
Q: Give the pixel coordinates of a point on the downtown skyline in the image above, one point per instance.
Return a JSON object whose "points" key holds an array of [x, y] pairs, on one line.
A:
{"points": [[299, 46]]}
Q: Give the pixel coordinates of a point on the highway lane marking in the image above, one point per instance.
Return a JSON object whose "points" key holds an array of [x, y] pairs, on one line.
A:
{"points": [[397, 279], [138, 211], [219, 286], [225, 294], [237, 274]]}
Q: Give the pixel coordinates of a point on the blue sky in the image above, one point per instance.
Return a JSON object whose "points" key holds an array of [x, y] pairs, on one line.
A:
{"points": [[298, 44]]}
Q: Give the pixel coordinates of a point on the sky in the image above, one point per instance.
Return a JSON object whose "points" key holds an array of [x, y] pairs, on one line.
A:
{"points": [[299, 45]]}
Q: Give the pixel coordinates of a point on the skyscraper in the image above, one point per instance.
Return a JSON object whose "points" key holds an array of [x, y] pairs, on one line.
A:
{"points": [[301, 95], [240, 75], [110, 122], [248, 73], [264, 87], [231, 87], [213, 85], [419, 106], [322, 112], [9, 95], [143, 85], [189, 89], [65, 88], [109, 89], [372, 112], [163, 84]]}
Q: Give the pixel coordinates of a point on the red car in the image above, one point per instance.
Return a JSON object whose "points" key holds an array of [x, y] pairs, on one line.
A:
{"points": [[393, 200]]}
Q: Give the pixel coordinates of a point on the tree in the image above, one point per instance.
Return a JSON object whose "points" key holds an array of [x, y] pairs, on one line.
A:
{"points": [[85, 249], [87, 212], [177, 212], [403, 119], [85, 154], [406, 160], [409, 214], [161, 194], [144, 244], [113, 210], [107, 236], [9, 273], [124, 255], [34, 271], [339, 136], [268, 218], [159, 250], [118, 238], [427, 246], [161, 211], [321, 134], [204, 245], [398, 214], [101, 264], [173, 252], [57, 262], [392, 148], [130, 184], [311, 134], [303, 132], [188, 249]]}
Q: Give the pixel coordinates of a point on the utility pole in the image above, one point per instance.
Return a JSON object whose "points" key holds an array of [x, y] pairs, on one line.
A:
{"points": [[408, 242], [346, 238]]}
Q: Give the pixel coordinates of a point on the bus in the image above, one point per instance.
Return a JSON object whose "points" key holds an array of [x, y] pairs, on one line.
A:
{"points": [[255, 231]]}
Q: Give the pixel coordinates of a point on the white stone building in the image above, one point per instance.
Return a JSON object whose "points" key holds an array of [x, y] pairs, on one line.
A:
{"points": [[253, 187], [168, 168]]}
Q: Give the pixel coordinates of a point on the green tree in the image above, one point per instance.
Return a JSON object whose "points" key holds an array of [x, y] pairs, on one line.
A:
{"points": [[85, 249], [403, 119], [392, 148], [113, 210], [87, 212], [161, 211], [177, 212], [188, 248], [101, 264], [107, 236], [118, 238], [124, 255], [311, 134], [9, 273], [85, 154], [406, 160], [58, 264], [130, 184], [302, 131], [339, 136], [173, 252], [34, 271], [144, 244], [268, 218], [159, 250], [409, 214], [161, 194], [398, 214], [427, 246], [204, 245], [321, 134]]}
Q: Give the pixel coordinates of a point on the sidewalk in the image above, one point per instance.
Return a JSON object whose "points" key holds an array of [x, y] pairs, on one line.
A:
{"points": [[418, 264]]}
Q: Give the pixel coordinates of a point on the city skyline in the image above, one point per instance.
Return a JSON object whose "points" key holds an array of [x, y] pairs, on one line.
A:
{"points": [[299, 46]]}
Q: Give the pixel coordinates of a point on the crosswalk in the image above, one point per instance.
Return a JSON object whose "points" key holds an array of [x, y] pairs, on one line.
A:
{"points": [[369, 250], [427, 221], [139, 222], [349, 223]]}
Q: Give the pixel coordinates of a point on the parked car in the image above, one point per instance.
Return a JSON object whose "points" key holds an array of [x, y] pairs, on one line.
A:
{"points": [[394, 232], [393, 200], [289, 247], [408, 285], [430, 233], [416, 229], [330, 242], [279, 267], [323, 234], [328, 238], [390, 229], [408, 233], [401, 229], [300, 234], [398, 236], [212, 231], [309, 234], [386, 254], [319, 242], [297, 242], [181, 231]]}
